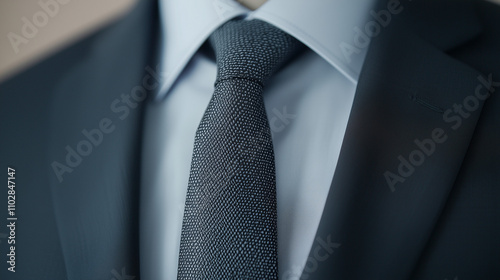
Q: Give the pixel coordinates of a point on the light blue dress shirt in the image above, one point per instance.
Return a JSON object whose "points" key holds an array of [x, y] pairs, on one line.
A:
{"points": [[308, 105]]}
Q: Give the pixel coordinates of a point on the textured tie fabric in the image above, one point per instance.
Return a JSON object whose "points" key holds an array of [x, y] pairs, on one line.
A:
{"points": [[229, 229]]}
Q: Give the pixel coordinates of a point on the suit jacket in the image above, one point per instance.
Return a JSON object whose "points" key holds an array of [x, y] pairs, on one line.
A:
{"points": [[415, 194]]}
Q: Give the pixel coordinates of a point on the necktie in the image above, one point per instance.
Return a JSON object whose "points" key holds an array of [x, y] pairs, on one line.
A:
{"points": [[229, 227]]}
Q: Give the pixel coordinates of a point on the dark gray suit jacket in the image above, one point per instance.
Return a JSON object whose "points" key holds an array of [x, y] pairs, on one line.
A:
{"points": [[415, 194]]}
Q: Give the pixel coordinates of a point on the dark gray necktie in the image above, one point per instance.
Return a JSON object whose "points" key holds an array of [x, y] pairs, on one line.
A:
{"points": [[229, 229]]}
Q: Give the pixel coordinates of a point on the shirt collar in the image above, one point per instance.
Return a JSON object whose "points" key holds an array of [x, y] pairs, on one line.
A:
{"points": [[326, 27]]}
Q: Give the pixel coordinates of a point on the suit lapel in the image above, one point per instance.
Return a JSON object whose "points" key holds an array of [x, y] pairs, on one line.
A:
{"points": [[401, 154], [96, 196]]}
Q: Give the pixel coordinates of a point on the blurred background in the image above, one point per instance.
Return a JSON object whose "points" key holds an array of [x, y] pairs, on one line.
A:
{"points": [[32, 29], [51, 24]]}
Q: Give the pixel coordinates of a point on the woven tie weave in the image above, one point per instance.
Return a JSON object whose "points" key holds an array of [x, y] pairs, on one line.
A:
{"points": [[229, 229]]}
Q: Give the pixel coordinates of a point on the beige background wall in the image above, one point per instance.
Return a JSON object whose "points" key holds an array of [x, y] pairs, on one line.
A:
{"points": [[64, 21], [67, 20]]}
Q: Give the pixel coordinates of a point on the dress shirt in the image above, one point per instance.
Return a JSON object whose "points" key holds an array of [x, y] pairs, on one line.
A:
{"points": [[308, 104]]}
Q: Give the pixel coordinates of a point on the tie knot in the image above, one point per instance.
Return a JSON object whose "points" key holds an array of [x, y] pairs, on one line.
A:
{"points": [[251, 49]]}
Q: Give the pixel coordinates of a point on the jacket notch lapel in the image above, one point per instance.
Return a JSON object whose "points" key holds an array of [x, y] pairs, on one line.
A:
{"points": [[403, 148]]}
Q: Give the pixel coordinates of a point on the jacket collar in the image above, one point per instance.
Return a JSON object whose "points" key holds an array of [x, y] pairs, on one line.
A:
{"points": [[388, 192], [445, 24], [96, 204]]}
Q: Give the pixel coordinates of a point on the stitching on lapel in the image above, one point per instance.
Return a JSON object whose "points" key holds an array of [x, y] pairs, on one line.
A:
{"points": [[426, 103]]}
